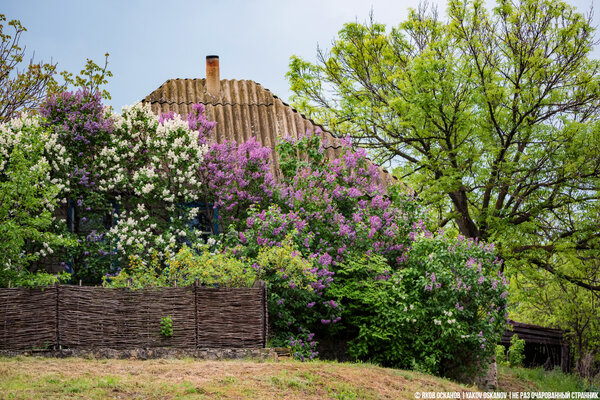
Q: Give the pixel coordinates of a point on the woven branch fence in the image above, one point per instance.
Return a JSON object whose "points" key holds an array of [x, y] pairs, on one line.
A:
{"points": [[65, 316]]}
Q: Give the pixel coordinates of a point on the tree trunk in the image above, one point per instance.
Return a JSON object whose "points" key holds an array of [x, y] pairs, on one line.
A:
{"points": [[464, 221]]}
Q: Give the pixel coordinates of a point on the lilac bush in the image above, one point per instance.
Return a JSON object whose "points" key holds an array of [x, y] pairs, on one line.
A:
{"points": [[137, 182], [128, 172], [235, 177], [335, 208], [80, 127], [442, 312], [28, 199], [402, 295], [345, 206]]}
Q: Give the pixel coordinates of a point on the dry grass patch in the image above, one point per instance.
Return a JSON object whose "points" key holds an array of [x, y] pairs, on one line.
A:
{"points": [[42, 378]]}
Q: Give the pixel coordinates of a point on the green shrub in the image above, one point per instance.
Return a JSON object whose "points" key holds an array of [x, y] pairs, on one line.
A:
{"points": [[28, 198], [166, 326], [294, 306], [516, 351], [211, 268], [442, 313], [500, 354]]}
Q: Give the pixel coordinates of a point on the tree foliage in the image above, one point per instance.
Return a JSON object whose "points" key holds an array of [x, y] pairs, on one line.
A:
{"points": [[20, 89], [28, 199], [556, 302], [24, 88], [492, 116]]}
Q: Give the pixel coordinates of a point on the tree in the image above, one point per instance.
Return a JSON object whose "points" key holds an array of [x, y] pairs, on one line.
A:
{"points": [[491, 116], [20, 89], [25, 89]]}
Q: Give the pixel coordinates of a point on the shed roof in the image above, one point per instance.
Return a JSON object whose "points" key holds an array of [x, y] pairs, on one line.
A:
{"points": [[533, 334], [242, 110]]}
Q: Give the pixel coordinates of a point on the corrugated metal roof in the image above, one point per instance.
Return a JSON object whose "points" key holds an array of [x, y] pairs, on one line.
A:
{"points": [[244, 109]]}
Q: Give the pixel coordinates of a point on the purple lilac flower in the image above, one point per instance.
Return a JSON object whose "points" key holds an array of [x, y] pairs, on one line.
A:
{"points": [[325, 260]]}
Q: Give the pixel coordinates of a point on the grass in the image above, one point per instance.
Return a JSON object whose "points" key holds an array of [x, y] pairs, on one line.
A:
{"points": [[73, 378], [537, 379], [77, 378]]}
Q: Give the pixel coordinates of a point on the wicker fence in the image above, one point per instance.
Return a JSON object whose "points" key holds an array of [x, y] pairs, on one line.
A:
{"points": [[65, 316]]}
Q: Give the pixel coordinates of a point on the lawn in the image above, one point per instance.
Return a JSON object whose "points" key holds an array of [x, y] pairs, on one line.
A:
{"points": [[536, 379], [44, 378], [78, 378]]}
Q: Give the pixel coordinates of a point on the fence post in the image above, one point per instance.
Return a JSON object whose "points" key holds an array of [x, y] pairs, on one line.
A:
{"points": [[265, 310], [57, 285], [196, 310]]}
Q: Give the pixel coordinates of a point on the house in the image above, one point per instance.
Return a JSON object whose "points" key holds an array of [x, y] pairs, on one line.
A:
{"points": [[242, 109]]}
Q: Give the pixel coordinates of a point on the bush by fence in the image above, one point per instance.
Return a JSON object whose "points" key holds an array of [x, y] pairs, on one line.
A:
{"points": [[65, 316]]}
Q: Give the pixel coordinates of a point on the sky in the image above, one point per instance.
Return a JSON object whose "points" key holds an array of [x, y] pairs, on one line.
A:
{"points": [[151, 41]]}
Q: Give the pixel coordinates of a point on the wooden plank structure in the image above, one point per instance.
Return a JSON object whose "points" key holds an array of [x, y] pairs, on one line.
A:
{"points": [[80, 317], [544, 346]]}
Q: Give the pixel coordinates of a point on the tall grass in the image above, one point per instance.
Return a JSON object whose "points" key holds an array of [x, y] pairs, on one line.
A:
{"points": [[554, 380]]}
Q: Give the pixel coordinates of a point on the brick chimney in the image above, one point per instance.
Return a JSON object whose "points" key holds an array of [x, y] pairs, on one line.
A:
{"points": [[213, 81]]}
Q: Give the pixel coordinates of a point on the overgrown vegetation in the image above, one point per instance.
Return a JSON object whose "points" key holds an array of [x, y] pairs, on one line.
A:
{"points": [[130, 183], [516, 351], [491, 115], [538, 379], [494, 129]]}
